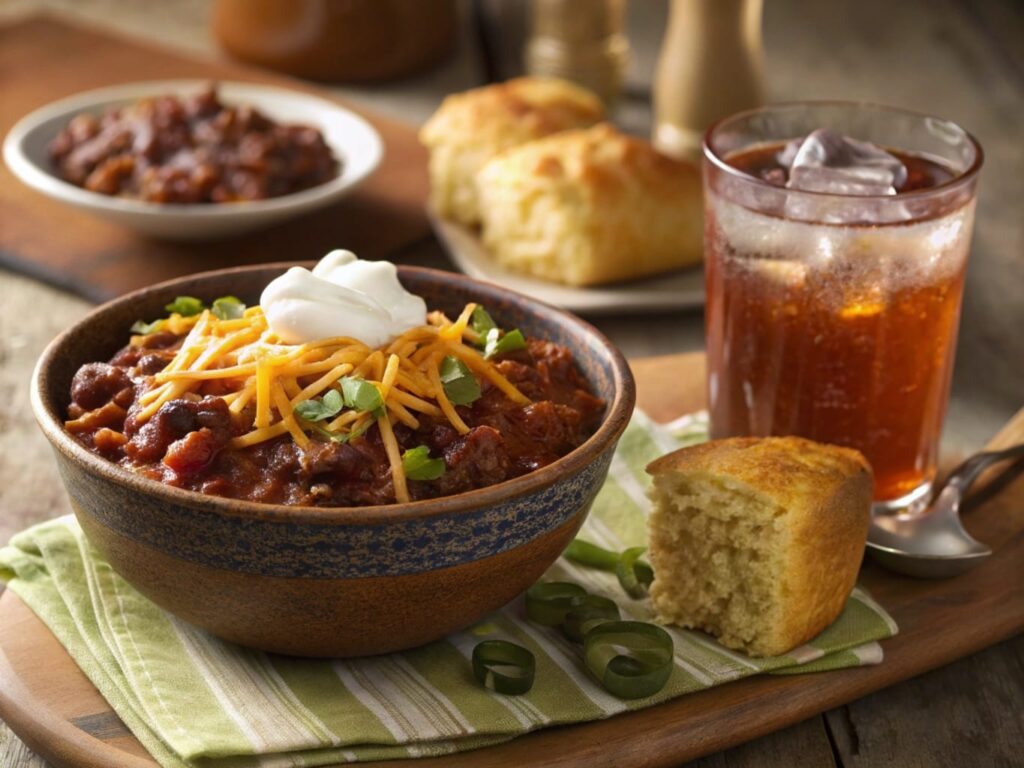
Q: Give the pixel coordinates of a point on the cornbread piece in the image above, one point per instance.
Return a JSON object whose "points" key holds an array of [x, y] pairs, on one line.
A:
{"points": [[757, 540], [590, 206], [469, 128]]}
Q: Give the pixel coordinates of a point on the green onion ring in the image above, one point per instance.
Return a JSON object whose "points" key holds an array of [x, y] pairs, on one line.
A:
{"points": [[548, 601], [634, 576], [587, 612], [645, 667], [585, 553], [504, 667]]}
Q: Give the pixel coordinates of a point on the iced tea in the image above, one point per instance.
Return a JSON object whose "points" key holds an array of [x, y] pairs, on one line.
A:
{"points": [[835, 317]]}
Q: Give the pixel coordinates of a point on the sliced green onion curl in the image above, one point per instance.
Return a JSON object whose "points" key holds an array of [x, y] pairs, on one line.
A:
{"points": [[631, 659], [634, 576], [585, 553], [585, 613], [547, 602], [504, 667]]}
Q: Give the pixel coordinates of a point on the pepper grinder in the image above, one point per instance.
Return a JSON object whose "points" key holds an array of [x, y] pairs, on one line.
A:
{"points": [[581, 41], [711, 66]]}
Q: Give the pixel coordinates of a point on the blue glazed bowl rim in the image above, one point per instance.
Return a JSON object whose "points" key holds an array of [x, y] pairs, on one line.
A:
{"points": [[618, 413]]}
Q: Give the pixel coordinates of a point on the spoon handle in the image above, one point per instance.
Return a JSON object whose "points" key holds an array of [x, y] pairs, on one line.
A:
{"points": [[964, 475], [1011, 435]]}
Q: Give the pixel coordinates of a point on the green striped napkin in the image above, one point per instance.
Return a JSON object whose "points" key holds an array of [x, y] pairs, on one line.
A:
{"points": [[194, 700]]}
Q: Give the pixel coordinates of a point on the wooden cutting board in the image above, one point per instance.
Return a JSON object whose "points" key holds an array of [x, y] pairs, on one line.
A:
{"points": [[42, 60], [51, 705]]}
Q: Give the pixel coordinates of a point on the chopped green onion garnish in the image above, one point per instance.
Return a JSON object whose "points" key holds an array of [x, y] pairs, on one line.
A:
{"points": [[362, 395], [634, 576], [504, 667], [585, 553], [497, 344], [342, 437], [186, 306], [227, 308], [418, 465], [631, 659], [143, 328], [481, 322], [460, 385], [320, 408], [547, 602], [585, 613]]}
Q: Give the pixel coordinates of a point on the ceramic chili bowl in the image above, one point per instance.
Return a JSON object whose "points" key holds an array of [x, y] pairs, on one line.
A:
{"points": [[331, 581]]}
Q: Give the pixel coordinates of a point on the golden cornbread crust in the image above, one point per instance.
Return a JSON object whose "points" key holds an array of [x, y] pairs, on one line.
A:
{"points": [[590, 206], [798, 512], [471, 127]]}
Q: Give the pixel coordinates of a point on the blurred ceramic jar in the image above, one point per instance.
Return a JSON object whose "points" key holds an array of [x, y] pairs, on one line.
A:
{"points": [[338, 40]]}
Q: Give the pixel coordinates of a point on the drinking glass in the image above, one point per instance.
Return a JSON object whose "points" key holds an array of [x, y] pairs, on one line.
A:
{"points": [[835, 316]]}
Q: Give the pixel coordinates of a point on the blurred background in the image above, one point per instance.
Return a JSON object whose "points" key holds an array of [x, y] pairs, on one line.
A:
{"points": [[956, 59]]}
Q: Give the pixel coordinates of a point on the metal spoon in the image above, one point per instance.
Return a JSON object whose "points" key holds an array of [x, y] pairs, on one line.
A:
{"points": [[933, 544]]}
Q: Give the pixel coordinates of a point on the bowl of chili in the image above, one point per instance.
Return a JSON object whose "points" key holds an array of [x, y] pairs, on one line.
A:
{"points": [[193, 160], [356, 575]]}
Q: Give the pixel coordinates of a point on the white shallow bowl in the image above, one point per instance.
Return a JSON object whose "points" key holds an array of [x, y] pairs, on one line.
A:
{"points": [[679, 290], [353, 140]]}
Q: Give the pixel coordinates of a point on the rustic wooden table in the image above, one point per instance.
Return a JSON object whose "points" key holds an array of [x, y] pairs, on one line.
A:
{"points": [[958, 59]]}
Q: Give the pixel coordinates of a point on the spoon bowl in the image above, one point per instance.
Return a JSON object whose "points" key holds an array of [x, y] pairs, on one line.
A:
{"points": [[933, 544]]}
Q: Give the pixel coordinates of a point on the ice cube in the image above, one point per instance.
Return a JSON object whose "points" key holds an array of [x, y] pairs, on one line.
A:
{"points": [[824, 161]]}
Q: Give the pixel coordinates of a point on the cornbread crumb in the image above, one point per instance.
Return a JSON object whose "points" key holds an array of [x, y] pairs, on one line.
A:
{"points": [[757, 541]]}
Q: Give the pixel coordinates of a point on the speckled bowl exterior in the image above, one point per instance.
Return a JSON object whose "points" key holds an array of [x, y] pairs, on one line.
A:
{"points": [[339, 581]]}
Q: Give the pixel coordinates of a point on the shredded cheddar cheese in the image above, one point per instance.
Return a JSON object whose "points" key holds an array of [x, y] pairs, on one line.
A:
{"points": [[262, 380]]}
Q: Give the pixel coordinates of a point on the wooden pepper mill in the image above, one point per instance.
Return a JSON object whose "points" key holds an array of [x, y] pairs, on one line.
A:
{"points": [[581, 41], [711, 66]]}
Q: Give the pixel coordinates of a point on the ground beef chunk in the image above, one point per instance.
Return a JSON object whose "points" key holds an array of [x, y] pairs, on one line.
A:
{"points": [[96, 384], [326, 461], [475, 459]]}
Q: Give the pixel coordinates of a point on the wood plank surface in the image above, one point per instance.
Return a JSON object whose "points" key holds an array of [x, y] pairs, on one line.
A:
{"points": [[98, 259], [42, 692]]}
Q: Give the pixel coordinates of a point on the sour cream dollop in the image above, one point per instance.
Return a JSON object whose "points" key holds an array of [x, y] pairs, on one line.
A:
{"points": [[342, 296]]}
